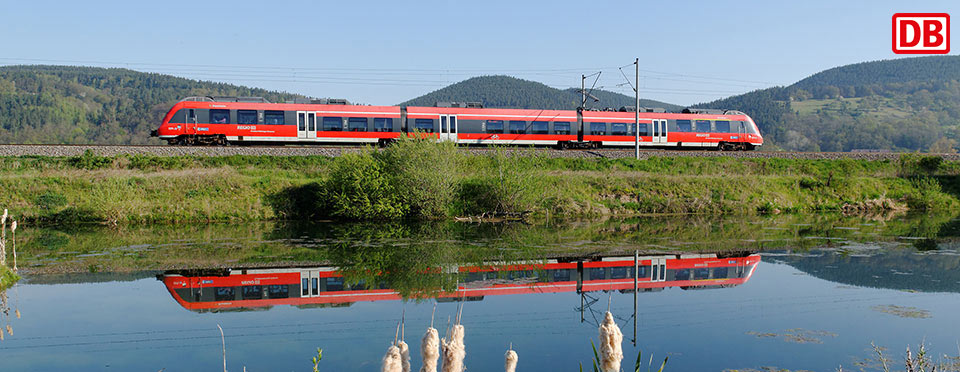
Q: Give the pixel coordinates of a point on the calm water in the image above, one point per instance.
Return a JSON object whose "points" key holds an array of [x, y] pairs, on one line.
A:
{"points": [[823, 290]]}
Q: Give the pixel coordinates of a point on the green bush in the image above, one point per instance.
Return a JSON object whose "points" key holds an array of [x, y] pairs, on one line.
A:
{"points": [[89, 160], [360, 189], [426, 173]]}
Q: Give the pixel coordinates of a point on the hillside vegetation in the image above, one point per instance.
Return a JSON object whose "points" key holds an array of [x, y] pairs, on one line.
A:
{"points": [[82, 105], [509, 92], [909, 104]]}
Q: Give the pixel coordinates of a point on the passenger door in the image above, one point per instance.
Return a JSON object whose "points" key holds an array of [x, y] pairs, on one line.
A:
{"points": [[302, 124], [311, 125], [309, 283], [659, 131], [658, 269], [448, 128]]}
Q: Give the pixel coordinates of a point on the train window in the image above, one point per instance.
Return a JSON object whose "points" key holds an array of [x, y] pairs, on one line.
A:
{"points": [[332, 124], [703, 126], [357, 124], [681, 274], [278, 291], [561, 127], [518, 127], [684, 126], [220, 116], [644, 272], [644, 129], [334, 284], [316, 286], [304, 286], [301, 122], [246, 116], [618, 129], [619, 272], [598, 129], [723, 126], [383, 125], [223, 293], [562, 275], [252, 292], [424, 125], [540, 127], [597, 273], [273, 118], [701, 273], [193, 116], [720, 272], [311, 122], [494, 126]]}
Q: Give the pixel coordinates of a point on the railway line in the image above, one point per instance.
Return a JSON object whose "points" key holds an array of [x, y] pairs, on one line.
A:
{"points": [[311, 150]]}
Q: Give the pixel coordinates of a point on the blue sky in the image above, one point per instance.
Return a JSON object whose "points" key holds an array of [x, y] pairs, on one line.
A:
{"points": [[387, 52]]}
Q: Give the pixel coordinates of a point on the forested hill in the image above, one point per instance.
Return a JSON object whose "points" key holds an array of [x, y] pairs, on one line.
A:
{"points": [[78, 105], [908, 104], [509, 92]]}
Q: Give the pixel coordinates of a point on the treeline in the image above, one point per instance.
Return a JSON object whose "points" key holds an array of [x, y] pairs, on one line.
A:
{"points": [[79, 105], [910, 104], [509, 92]]}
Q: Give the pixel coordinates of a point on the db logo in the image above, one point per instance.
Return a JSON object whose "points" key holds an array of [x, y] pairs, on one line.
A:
{"points": [[921, 33]]}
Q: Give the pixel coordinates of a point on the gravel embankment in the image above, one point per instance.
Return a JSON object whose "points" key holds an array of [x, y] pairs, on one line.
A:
{"points": [[74, 150]]}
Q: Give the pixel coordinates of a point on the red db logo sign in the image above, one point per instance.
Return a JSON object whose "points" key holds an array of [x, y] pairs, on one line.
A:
{"points": [[921, 33]]}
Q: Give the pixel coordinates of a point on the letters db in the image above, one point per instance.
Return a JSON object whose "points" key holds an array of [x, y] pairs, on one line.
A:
{"points": [[921, 33]]}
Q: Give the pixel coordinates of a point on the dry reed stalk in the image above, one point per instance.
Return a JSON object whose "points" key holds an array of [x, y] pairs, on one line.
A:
{"points": [[13, 231], [392, 361], [430, 350], [510, 361], [223, 343], [611, 348], [3, 238]]}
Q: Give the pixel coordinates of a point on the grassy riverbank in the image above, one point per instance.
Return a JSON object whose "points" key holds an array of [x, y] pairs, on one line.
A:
{"points": [[424, 180]]}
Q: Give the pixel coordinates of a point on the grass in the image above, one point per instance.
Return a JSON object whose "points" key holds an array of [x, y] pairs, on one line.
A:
{"points": [[422, 180]]}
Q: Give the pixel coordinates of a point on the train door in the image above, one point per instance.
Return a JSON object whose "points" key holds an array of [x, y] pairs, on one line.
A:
{"points": [[301, 124], [658, 269], [448, 128], [309, 283], [311, 125], [191, 126], [659, 131]]}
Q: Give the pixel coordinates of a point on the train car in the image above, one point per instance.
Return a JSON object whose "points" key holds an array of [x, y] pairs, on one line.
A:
{"points": [[246, 120], [325, 286]]}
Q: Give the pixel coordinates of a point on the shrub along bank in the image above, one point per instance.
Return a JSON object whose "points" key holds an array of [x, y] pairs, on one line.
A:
{"points": [[425, 180]]}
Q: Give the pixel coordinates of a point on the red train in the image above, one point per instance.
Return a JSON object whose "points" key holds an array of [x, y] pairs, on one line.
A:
{"points": [[251, 120], [324, 286]]}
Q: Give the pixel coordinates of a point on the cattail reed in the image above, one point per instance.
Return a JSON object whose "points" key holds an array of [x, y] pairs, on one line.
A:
{"points": [[510, 361], [404, 355], [3, 238], [430, 350], [611, 350], [391, 361], [454, 350]]}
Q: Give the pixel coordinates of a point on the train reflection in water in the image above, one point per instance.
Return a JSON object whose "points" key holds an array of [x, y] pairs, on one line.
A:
{"points": [[220, 290]]}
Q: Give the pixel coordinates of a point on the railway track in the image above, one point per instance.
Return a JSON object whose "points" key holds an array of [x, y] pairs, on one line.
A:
{"points": [[315, 150]]}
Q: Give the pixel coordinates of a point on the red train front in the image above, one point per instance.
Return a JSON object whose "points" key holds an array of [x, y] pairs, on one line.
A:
{"points": [[251, 120]]}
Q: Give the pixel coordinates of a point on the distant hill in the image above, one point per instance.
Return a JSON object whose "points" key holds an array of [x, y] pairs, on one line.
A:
{"points": [[509, 92], [78, 105], [909, 104]]}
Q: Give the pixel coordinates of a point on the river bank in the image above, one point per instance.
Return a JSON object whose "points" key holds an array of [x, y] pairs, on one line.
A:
{"points": [[423, 180]]}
